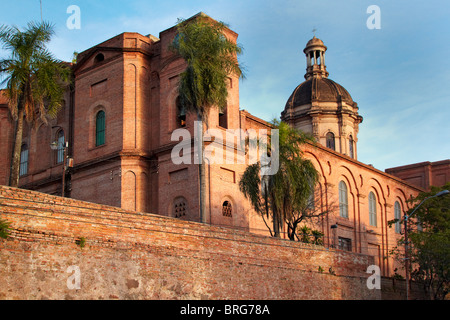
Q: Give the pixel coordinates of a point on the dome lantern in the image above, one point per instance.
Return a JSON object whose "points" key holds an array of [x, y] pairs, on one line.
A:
{"points": [[315, 59]]}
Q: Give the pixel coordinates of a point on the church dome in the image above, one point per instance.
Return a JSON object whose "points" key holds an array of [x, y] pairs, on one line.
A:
{"points": [[322, 107], [318, 89]]}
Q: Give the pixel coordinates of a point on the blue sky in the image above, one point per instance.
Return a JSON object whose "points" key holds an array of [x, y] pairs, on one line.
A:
{"points": [[399, 75]]}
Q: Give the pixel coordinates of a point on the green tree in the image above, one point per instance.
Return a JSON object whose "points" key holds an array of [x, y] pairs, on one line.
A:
{"points": [[4, 229], [307, 235], [282, 197], [429, 242], [211, 58], [35, 80], [307, 211]]}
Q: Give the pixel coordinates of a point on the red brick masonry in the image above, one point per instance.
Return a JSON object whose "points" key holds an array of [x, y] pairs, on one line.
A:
{"points": [[130, 255]]}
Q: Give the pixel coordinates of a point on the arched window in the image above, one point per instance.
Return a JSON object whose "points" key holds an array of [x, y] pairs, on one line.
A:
{"points": [[23, 167], [398, 216], [311, 200], [350, 147], [223, 118], [60, 150], [330, 141], [100, 125], [179, 208], [343, 200], [181, 114], [372, 209], [227, 209], [99, 58]]}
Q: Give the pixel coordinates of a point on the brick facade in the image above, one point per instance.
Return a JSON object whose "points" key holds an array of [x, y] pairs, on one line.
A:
{"points": [[364, 236], [424, 174], [133, 79]]}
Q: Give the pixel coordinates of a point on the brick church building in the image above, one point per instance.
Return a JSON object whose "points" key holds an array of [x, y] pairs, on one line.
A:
{"points": [[118, 119]]}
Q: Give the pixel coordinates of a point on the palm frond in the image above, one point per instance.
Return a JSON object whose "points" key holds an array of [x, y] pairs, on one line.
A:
{"points": [[211, 59]]}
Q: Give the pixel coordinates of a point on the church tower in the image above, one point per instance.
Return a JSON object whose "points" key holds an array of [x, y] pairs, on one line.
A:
{"points": [[323, 107]]}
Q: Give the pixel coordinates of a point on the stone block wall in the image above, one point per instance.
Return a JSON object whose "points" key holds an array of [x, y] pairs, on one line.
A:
{"points": [[131, 255]]}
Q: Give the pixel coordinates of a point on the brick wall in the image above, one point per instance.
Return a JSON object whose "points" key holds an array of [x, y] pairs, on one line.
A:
{"points": [[424, 174], [129, 255], [395, 289], [5, 141]]}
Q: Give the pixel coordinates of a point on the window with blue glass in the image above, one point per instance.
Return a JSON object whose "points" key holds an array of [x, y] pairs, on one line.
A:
{"points": [[330, 141], [23, 167], [60, 150], [100, 126], [397, 216]]}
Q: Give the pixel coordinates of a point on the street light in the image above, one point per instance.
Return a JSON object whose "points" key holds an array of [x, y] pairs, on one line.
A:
{"points": [[55, 146], [406, 217], [334, 228]]}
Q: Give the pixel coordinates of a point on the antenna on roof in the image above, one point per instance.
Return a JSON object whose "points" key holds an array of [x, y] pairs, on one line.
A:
{"points": [[314, 31], [40, 1]]}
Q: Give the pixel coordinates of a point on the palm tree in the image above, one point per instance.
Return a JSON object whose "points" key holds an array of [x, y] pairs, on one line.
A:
{"points": [[211, 58], [281, 196], [35, 80]]}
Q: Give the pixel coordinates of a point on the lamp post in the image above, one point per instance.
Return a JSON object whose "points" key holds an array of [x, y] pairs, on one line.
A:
{"points": [[333, 229], [406, 217], [55, 146]]}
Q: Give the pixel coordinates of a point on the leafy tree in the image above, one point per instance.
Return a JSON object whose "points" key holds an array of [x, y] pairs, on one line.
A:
{"points": [[307, 211], [305, 234], [308, 235], [429, 242], [35, 80], [211, 58], [317, 237], [283, 196]]}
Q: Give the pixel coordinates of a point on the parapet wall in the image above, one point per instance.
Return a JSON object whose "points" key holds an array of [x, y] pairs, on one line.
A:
{"points": [[131, 255]]}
